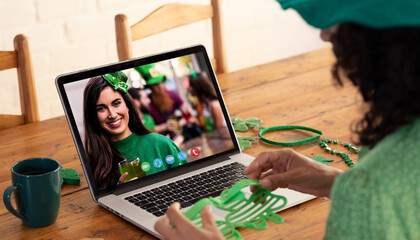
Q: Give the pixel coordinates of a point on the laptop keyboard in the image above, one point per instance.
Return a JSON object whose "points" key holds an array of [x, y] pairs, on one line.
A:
{"points": [[189, 190]]}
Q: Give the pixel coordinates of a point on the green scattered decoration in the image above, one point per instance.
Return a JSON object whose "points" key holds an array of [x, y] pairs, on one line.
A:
{"points": [[242, 125], [69, 176], [344, 156], [322, 160], [252, 212], [245, 142], [118, 80]]}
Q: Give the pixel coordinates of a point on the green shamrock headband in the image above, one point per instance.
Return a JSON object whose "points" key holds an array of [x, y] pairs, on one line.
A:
{"points": [[118, 80]]}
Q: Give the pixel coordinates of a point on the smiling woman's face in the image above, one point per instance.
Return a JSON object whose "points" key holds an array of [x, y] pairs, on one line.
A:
{"points": [[113, 114]]}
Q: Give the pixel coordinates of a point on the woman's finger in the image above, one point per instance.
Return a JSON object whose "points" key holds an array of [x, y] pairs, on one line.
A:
{"points": [[281, 180], [163, 227], [122, 178], [266, 161], [176, 218], [207, 218]]}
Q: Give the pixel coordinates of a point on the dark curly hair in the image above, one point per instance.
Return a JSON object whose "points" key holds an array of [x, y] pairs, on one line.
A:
{"points": [[385, 65]]}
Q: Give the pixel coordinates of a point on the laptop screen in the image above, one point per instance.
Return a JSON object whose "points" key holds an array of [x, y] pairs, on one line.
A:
{"points": [[139, 119]]}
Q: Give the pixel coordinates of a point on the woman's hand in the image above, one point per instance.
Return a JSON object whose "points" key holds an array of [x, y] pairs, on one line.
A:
{"points": [[123, 177], [288, 169], [175, 225]]}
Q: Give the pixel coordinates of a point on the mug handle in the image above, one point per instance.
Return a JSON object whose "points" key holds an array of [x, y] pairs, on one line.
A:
{"points": [[6, 200]]}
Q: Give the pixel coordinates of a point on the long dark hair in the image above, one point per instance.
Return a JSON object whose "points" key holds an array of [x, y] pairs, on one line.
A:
{"points": [[202, 87], [385, 65], [104, 158]]}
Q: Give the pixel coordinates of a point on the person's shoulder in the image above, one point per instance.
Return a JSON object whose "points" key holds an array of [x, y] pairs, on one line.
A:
{"points": [[215, 103], [174, 95], [389, 165], [398, 150]]}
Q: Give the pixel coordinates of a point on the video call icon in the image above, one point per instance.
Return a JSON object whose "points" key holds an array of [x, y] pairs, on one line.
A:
{"points": [[145, 166], [170, 159], [182, 156], [157, 163]]}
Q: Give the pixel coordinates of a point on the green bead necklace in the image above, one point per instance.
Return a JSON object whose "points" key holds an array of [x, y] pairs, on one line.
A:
{"points": [[344, 156]]}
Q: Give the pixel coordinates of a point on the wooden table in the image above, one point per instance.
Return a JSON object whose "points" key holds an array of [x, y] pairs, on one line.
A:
{"points": [[297, 90]]}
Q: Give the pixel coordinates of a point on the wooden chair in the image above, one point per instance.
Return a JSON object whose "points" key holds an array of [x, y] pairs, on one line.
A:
{"points": [[167, 17], [20, 58]]}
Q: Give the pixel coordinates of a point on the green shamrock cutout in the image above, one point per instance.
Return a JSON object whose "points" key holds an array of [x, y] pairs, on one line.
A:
{"points": [[69, 176], [241, 125], [243, 211], [322, 160], [245, 142]]}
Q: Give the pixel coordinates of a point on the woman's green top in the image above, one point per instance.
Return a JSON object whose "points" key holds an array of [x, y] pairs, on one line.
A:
{"points": [[148, 148], [379, 198]]}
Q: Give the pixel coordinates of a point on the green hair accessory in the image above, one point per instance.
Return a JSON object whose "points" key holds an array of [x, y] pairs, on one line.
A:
{"points": [[118, 80], [243, 212]]}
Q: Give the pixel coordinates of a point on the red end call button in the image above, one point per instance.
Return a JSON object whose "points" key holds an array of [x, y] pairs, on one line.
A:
{"points": [[195, 152]]}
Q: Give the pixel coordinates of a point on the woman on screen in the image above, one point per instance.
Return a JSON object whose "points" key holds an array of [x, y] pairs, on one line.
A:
{"points": [[208, 107], [114, 132]]}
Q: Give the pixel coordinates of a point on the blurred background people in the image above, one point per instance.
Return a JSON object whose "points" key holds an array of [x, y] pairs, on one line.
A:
{"points": [[142, 101], [167, 105], [210, 113]]}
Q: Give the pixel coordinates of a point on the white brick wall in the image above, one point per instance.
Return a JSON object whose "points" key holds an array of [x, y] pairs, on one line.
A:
{"points": [[71, 35], [16, 13], [53, 10]]}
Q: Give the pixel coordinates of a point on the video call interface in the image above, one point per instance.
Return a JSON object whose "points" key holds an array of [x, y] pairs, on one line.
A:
{"points": [[176, 101]]}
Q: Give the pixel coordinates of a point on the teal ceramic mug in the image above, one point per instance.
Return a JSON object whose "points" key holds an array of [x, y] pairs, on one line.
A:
{"points": [[37, 187]]}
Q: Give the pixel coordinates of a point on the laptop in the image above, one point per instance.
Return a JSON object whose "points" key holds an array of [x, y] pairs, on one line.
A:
{"points": [[211, 159]]}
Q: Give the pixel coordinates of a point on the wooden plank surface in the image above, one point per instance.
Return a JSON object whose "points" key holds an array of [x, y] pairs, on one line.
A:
{"points": [[298, 90]]}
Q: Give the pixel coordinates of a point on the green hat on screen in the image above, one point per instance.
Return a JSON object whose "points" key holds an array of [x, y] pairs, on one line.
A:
{"points": [[150, 74], [371, 13]]}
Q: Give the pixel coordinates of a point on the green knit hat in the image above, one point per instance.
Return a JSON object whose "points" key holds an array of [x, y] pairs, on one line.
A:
{"points": [[150, 74], [371, 13]]}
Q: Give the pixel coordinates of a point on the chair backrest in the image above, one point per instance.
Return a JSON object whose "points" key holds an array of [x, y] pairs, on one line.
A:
{"points": [[167, 17], [20, 59]]}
